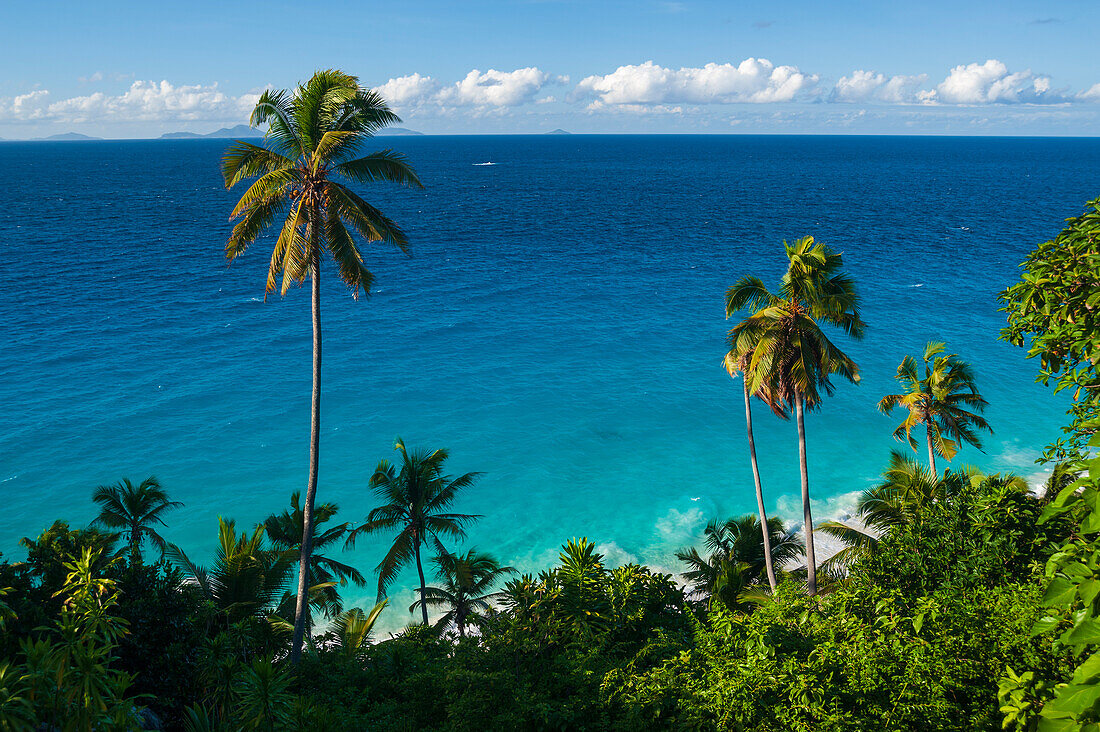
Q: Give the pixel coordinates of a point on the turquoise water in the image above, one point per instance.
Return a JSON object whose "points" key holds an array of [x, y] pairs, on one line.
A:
{"points": [[559, 326]]}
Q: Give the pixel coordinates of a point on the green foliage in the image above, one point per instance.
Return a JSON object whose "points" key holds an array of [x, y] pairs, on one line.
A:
{"points": [[67, 680], [466, 592], [1053, 311], [1072, 599], [167, 621], [326, 574], [735, 558]]}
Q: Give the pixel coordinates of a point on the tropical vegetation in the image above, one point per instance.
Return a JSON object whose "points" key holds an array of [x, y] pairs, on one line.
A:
{"points": [[962, 600]]}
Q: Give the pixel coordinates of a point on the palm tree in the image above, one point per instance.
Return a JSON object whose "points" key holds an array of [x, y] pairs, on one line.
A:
{"points": [[353, 628], [737, 362], [314, 135], [135, 510], [247, 577], [938, 401], [465, 591], [285, 532], [907, 488], [792, 357], [736, 546], [415, 502]]}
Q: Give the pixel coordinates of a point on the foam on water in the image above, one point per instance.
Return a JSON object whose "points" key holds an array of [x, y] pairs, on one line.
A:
{"points": [[559, 327]]}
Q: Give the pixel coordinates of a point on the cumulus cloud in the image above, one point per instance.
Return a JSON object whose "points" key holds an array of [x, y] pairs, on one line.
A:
{"points": [[490, 88], [753, 80], [992, 83], [496, 88], [868, 86], [407, 91], [143, 101]]}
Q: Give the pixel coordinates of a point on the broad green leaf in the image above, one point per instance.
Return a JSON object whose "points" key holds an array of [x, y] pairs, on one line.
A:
{"points": [[1059, 592], [1085, 632]]}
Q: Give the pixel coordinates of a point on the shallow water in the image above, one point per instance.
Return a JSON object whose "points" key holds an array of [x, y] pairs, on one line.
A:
{"points": [[559, 327]]}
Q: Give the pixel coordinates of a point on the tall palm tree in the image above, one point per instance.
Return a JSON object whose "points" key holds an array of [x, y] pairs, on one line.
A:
{"points": [[792, 357], [415, 498], [285, 532], [938, 401], [314, 136], [467, 580], [135, 510], [738, 362], [737, 546]]}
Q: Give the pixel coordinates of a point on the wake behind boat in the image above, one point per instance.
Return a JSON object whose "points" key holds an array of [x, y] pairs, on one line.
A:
{"points": [[489, 163]]}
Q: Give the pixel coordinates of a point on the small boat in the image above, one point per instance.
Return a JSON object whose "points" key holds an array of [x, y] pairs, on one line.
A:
{"points": [[484, 163]]}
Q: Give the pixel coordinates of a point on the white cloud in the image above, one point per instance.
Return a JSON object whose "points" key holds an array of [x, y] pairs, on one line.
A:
{"points": [[143, 101], [1092, 94], [753, 80], [991, 83], [496, 88], [491, 88], [868, 86], [408, 91]]}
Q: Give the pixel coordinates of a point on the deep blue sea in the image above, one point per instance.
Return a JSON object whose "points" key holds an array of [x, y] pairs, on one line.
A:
{"points": [[559, 326]]}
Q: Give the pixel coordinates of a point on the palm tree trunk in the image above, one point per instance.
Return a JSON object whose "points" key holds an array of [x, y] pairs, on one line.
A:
{"points": [[301, 608], [759, 491], [931, 453], [807, 518], [423, 584], [135, 547]]}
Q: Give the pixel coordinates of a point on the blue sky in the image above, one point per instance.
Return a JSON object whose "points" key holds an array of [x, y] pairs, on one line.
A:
{"points": [[129, 69]]}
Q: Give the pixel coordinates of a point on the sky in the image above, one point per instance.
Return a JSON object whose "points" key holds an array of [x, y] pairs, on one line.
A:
{"points": [[140, 69]]}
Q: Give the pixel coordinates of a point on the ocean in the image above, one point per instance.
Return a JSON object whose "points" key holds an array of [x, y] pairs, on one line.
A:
{"points": [[558, 326]]}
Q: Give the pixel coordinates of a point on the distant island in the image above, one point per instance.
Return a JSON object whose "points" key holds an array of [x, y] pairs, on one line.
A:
{"points": [[66, 136], [399, 132], [224, 132], [558, 131]]}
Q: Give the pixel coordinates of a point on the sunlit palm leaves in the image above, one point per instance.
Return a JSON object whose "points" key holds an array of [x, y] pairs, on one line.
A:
{"points": [[416, 499], [135, 510], [791, 356], [352, 629], [315, 136], [940, 400], [465, 592]]}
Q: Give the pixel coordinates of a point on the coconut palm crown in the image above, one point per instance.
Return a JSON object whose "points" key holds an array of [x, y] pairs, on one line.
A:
{"points": [[792, 358], [465, 590], [311, 153], [940, 400], [135, 510], [737, 542], [285, 532]]}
